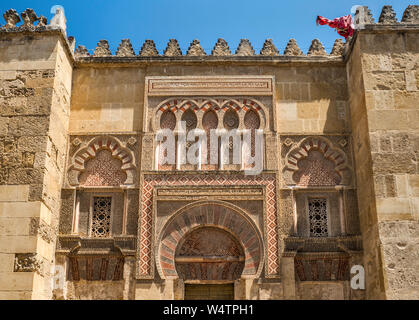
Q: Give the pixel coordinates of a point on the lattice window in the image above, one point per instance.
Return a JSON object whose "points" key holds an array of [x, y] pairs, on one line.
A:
{"points": [[317, 214], [101, 217]]}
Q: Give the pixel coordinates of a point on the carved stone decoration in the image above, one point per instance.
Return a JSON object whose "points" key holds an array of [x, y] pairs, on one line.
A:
{"points": [[72, 43], [245, 48], [388, 16], [81, 51], [288, 142], [103, 170], [149, 49], [201, 106], [29, 17], [190, 118], [315, 161], [125, 49], [76, 142], [269, 49], [102, 49], [195, 49], [59, 20], [411, 14], [168, 120], [292, 49], [363, 15], [317, 268], [132, 141], [96, 268], [338, 48], [221, 49], [228, 236], [42, 22], [12, 19], [210, 120], [214, 252], [27, 262], [316, 49], [231, 120], [145, 248], [316, 170], [172, 49], [116, 155], [251, 120]]}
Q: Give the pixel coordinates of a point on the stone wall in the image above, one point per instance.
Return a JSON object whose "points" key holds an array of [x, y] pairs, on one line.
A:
{"points": [[35, 75], [385, 126]]}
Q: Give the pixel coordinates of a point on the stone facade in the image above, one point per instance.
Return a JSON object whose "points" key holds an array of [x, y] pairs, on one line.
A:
{"points": [[87, 211]]}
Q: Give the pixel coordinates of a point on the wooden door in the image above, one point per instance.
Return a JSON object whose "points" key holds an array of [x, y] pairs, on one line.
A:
{"points": [[209, 291]]}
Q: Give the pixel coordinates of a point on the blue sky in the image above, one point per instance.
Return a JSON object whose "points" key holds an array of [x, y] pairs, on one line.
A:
{"points": [[206, 20]]}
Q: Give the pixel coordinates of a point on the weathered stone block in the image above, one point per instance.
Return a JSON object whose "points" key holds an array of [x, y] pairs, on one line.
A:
{"points": [[14, 193], [394, 209], [387, 163]]}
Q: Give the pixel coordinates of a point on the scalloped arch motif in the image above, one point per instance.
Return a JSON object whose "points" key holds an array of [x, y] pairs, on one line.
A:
{"points": [[218, 105], [216, 214], [330, 154], [145, 249], [91, 150]]}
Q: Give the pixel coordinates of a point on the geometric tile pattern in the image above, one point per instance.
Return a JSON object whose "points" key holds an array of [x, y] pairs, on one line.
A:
{"points": [[150, 181]]}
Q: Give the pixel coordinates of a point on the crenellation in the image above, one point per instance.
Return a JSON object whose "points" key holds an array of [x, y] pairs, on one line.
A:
{"points": [[388, 16], [363, 16], [81, 51], [43, 21], [125, 49], [269, 49], [149, 49], [338, 48], [411, 14], [28, 18], [195, 49], [316, 49], [102, 49], [172, 49], [245, 48], [72, 43], [82, 187], [221, 49], [292, 49], [12, 19]]}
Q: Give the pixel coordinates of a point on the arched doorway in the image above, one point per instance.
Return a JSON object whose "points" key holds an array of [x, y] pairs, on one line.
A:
{"points": [[209, 245], [209, 259]]}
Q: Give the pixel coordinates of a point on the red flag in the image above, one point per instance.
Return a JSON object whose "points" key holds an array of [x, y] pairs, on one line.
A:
{"points": [[343, 25]]}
